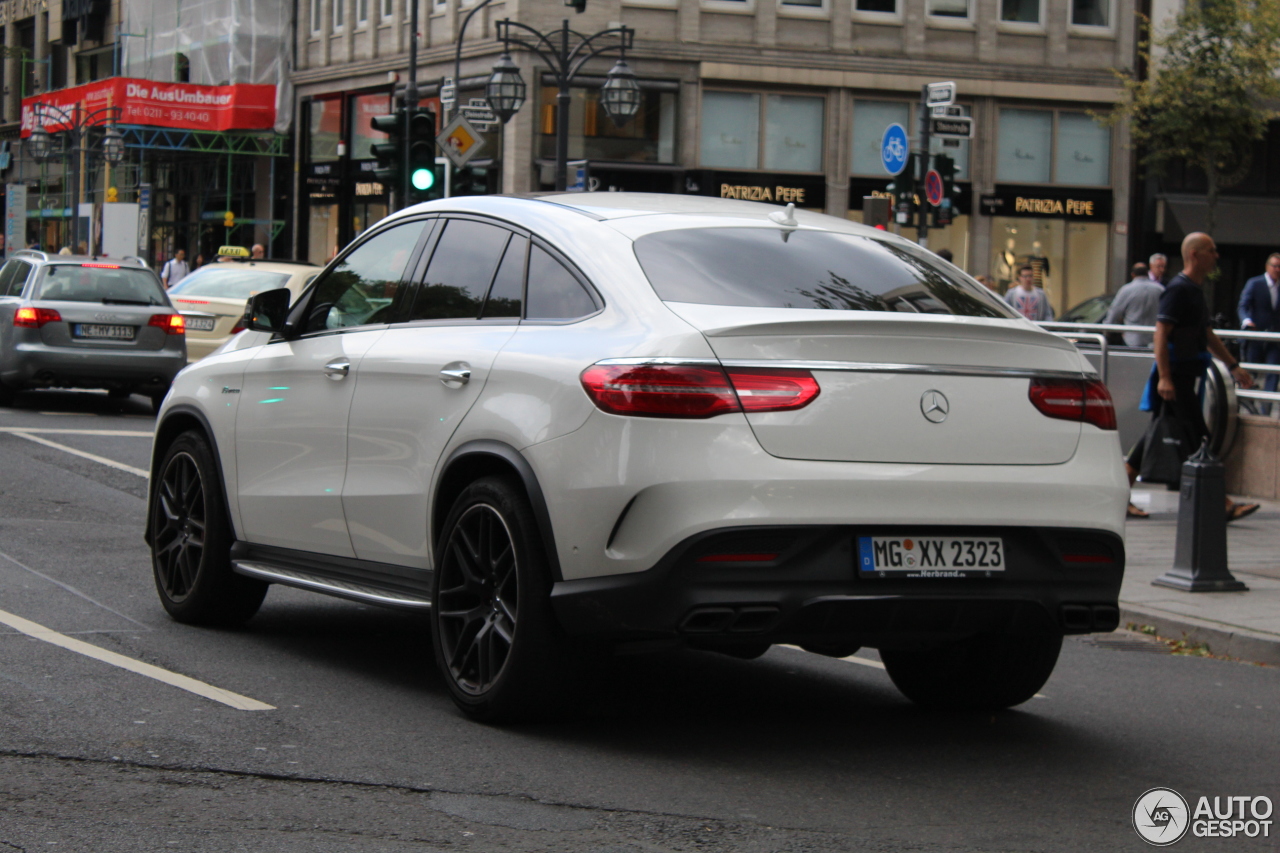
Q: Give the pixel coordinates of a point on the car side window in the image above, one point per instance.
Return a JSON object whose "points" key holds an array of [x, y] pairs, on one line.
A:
{"points": [[461, 269], [554, 293], [13, 276], [362, 288], [507, 293]]}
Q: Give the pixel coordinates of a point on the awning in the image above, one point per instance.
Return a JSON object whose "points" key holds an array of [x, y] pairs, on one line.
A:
{"points": [[1240, 222]]}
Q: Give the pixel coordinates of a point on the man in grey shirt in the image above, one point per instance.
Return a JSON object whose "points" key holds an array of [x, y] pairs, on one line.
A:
{"points": [[1136, 304]]}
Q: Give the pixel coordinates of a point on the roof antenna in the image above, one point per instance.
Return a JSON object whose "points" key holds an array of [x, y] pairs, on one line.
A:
{"points": [[787, 219]]}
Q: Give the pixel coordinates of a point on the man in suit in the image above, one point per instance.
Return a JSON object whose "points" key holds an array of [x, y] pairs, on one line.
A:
{"points": [[1260, 312], [1156, 265]]}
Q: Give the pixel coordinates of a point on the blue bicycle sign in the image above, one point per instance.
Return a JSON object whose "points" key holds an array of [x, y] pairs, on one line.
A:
{"points": [[894, 148]]}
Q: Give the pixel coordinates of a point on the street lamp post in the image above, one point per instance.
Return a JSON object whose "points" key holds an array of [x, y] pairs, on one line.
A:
{"points": [[76, 122], [619, 96]]}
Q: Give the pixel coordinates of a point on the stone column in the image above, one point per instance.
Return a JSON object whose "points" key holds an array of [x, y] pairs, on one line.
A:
{"points": [[689, 21], [839, 149], [326, 31], [42, 74], [766, 23], [12, 70], [981, 180], [841, 25]]}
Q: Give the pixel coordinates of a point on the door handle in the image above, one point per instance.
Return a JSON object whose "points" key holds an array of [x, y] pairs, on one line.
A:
{"points": [[456, 375], [337, 370]]}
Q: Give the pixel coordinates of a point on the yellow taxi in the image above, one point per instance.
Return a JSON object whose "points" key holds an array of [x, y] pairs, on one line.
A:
{"points": [[212, 297]]}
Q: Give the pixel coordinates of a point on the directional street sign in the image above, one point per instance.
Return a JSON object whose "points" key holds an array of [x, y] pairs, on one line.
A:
{"points": [[951, 127], [946, 111], [460, 141], [894, 148], [479, 113], [941, 95], [933, 187], [448, 94]]}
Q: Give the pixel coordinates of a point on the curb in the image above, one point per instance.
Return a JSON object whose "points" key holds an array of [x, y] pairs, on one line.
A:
{"points": [[1222, 639]]}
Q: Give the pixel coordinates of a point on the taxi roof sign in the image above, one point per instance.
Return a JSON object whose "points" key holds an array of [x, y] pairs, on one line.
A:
{"points": [[233, 252]]}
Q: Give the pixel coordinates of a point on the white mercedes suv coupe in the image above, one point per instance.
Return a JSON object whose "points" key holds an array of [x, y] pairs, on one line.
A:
{"points": [[626, 422]]}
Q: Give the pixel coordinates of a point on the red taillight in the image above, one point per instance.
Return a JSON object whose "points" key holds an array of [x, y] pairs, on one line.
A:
{"points": [[33, 318], [103, 266], [173, 324], [191, 301], [1085, 400], [695, 391], [238, 327]]}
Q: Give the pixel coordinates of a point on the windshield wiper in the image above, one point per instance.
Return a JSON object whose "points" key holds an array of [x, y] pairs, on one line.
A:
{"points": [[109, 301]]}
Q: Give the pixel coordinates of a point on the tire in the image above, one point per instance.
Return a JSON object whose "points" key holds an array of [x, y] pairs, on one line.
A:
{"points": [[191, 540], [497, 643], [983, 673]]}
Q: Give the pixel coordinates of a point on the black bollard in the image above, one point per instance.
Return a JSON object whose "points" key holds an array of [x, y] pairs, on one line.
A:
{"points": [[1200, 560]]}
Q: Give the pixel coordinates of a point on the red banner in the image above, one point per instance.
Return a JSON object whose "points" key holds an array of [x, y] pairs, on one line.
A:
{"points": [[188, 106]]}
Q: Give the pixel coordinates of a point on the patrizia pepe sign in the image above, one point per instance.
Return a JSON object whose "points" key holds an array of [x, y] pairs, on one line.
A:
{"points": [[1047, 202]]}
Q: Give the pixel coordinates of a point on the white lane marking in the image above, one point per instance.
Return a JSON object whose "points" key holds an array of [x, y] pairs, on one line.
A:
{"points": [[128, 433], [182, 682], [73, 591], [110, 463]]}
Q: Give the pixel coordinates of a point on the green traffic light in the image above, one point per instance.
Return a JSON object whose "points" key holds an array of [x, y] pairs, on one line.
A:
{"points": [[423, 179]]}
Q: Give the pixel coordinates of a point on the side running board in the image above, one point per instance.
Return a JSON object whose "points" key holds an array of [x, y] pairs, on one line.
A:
{"points": [[354, 590]]}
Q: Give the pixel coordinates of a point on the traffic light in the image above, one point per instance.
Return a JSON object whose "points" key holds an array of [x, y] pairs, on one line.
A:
{"points": [[946, 169], [474, 180], [903, 190], [425, 180], [390, 152], [876, 212]]}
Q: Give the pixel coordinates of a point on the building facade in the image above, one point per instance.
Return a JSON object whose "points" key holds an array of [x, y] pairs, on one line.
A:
{"points": [[779, 100]]}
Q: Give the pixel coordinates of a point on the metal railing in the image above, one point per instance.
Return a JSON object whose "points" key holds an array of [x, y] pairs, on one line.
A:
{"points": [[1093, 331]]}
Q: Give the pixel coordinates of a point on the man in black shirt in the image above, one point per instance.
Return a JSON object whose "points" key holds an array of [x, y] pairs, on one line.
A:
{"points": [[1183, 337]]}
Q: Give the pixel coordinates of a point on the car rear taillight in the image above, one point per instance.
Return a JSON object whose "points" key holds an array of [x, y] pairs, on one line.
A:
{"points": [[695, 391], [102, 266], [238, 327], [173, 324], [1085, 400], [30, 317]]}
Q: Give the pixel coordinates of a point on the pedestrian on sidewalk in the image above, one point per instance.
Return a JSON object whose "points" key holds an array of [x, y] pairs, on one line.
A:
{"points": [[1183, 343], [1027, 299], [1259, 311], [175, 270], [1156, 265], [1136, 304]]}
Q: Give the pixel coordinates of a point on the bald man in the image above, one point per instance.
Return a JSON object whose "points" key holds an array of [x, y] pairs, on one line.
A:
{"points": [[1183, 337], [258, 252]]}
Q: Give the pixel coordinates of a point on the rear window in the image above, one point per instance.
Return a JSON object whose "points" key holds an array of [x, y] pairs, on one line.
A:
{"points": [[756, 267], [230, 283], [106, 284]]}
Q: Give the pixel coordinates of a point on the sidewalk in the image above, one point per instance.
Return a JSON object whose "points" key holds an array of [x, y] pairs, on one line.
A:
{"points": [[1244, 625]]}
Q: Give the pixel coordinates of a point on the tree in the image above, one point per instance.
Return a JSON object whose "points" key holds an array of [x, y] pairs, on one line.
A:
{"points": [[1205, 101]]}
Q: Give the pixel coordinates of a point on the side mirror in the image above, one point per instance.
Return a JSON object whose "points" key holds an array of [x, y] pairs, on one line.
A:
{"points": [[267, 311]]}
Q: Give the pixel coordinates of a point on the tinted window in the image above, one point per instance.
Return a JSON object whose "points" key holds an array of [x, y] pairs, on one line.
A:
{"points": [[13, 276], [462, 266], [554, 292], [810, 269], [362, 288], [107, 284], [507, 293], [228, 282]]}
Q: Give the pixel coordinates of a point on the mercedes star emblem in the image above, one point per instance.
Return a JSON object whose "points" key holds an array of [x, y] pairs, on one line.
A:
{"points": [[934, 406]]}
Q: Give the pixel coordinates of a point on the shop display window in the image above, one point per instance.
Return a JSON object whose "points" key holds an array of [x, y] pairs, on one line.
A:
{"points": [[1052, 147], [1069, 258], [1025, 144], [793, 134], [363, 137], [1084, 150], [324, 130], [648, 137], [731, 130], [792, 138]]}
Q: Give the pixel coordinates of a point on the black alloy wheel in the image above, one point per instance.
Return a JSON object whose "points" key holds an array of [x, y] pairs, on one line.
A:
{"points": [[497, 642], [191, 540]]}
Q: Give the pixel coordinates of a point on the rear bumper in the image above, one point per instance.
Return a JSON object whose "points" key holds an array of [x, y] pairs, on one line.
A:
{"points": [[40, 366], [812, 591]]}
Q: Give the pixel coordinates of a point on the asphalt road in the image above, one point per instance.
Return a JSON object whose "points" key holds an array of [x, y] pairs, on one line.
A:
{"points": [[362, 749]]}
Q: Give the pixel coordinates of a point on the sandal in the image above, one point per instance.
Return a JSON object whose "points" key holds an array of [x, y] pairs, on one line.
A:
{"points": [[1135, 512], [1238, 511]]}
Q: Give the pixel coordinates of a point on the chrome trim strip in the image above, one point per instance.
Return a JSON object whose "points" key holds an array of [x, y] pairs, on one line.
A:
{"points": [[690, 362], [862, 367], [357, 592]]}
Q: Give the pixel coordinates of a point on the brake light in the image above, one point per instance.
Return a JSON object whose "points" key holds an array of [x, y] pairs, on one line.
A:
{"points": [[1086, 400], [191, 301], [30, 317], [695, 391], [103, 266], [173, 324]]}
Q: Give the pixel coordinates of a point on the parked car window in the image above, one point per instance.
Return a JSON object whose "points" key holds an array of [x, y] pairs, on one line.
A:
{"points": [[461, 269], [362, 287], [808, 269], [507, 293], [555, 293], [225, 281], [103, 282], [13, 276]]}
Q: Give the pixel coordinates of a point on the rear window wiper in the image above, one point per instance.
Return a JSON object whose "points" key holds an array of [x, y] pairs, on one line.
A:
{"points": [[109, 301]]}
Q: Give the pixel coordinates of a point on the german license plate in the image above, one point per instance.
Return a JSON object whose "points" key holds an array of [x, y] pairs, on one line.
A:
{"points": [[201, 324], [98, 330], [930, 556]]}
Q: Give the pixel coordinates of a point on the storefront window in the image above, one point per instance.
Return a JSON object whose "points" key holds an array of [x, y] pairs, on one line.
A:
{"points": [[322, 233], [793, 134], [870, 118], [730, 130], [1025, 146], [363, 136], [324, 130], [648, 137], [1069, 258], [1084, 150]]}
